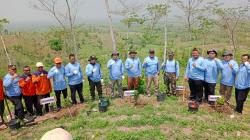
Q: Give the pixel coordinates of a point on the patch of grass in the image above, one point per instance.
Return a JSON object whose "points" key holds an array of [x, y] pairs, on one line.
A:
{"points": [[229, 127], [146, 120], [183, 123], [79, 123], [98, 123], [154, 134]]}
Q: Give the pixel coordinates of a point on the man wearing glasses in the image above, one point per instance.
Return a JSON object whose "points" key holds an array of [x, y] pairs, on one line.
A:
{"points": [[13, 91]]}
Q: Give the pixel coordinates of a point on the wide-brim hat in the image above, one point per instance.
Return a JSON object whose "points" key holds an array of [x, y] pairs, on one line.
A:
{"points": [[171, 53], [57, 134], [132, 51], [212, 50], [227, 53], [92, 57], [114, 53]]}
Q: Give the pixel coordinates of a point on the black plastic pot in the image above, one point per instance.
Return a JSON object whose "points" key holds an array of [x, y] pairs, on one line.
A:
{"points": [[88, 112], [124, 88], [105, 101], [193, 106], [14, 124], [161, 97], [103, 105], [103, 108]]}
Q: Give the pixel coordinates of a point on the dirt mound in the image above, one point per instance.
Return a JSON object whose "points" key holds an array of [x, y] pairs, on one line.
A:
{"points": [[141, 102], [69, 112], [144, 100], [225, 109]]}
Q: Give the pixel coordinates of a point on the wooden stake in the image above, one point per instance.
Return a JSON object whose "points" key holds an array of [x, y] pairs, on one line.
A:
{"points": [[8, 108]]}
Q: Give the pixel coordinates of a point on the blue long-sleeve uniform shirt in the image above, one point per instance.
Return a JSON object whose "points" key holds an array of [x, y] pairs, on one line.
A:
{"points": [[242, 80], [74, 73], [94, 73], [58, 76], [11, 86], [197, 72], [171, 66], [133, 67], [151, 66], [211, 70], [116, 69], [228, 74]]}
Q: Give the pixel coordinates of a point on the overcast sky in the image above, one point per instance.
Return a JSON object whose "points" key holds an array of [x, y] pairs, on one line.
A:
{"points": [[21, 11]]}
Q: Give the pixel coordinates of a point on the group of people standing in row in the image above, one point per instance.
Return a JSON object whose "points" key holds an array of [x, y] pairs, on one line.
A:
{"points": [[201, 73]]}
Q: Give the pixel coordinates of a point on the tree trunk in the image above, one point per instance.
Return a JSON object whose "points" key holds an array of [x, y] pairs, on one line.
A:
{"points": [[110, 26], [72, 34], [5, 50], [189, 20], [165, 39]]}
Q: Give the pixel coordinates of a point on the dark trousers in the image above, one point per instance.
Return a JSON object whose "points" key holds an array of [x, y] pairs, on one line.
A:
{"points": [[98, 86], [39, 106], [17, 102], [73, 89], [240, 97], [196, 88], [30, 103], [58, 96], [1, 109], [209, 89]]}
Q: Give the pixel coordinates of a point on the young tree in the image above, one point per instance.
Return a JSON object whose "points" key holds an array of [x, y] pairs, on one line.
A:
{"points": [[205, 26], [230, 19], [193, 9], [64, 14], [129, 11], [155, 13], [2, 23], [129, 21]]}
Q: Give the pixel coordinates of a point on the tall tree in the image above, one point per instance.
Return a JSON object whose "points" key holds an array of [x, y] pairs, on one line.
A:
{"points": [[110, 25], [230, 19], [64, 13], [128, 22], [129, 11], [155, 13], [192, 10]]}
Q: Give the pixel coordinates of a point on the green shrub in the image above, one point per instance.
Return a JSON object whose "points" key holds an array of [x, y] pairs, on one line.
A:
{"points": [[56, 44]]}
